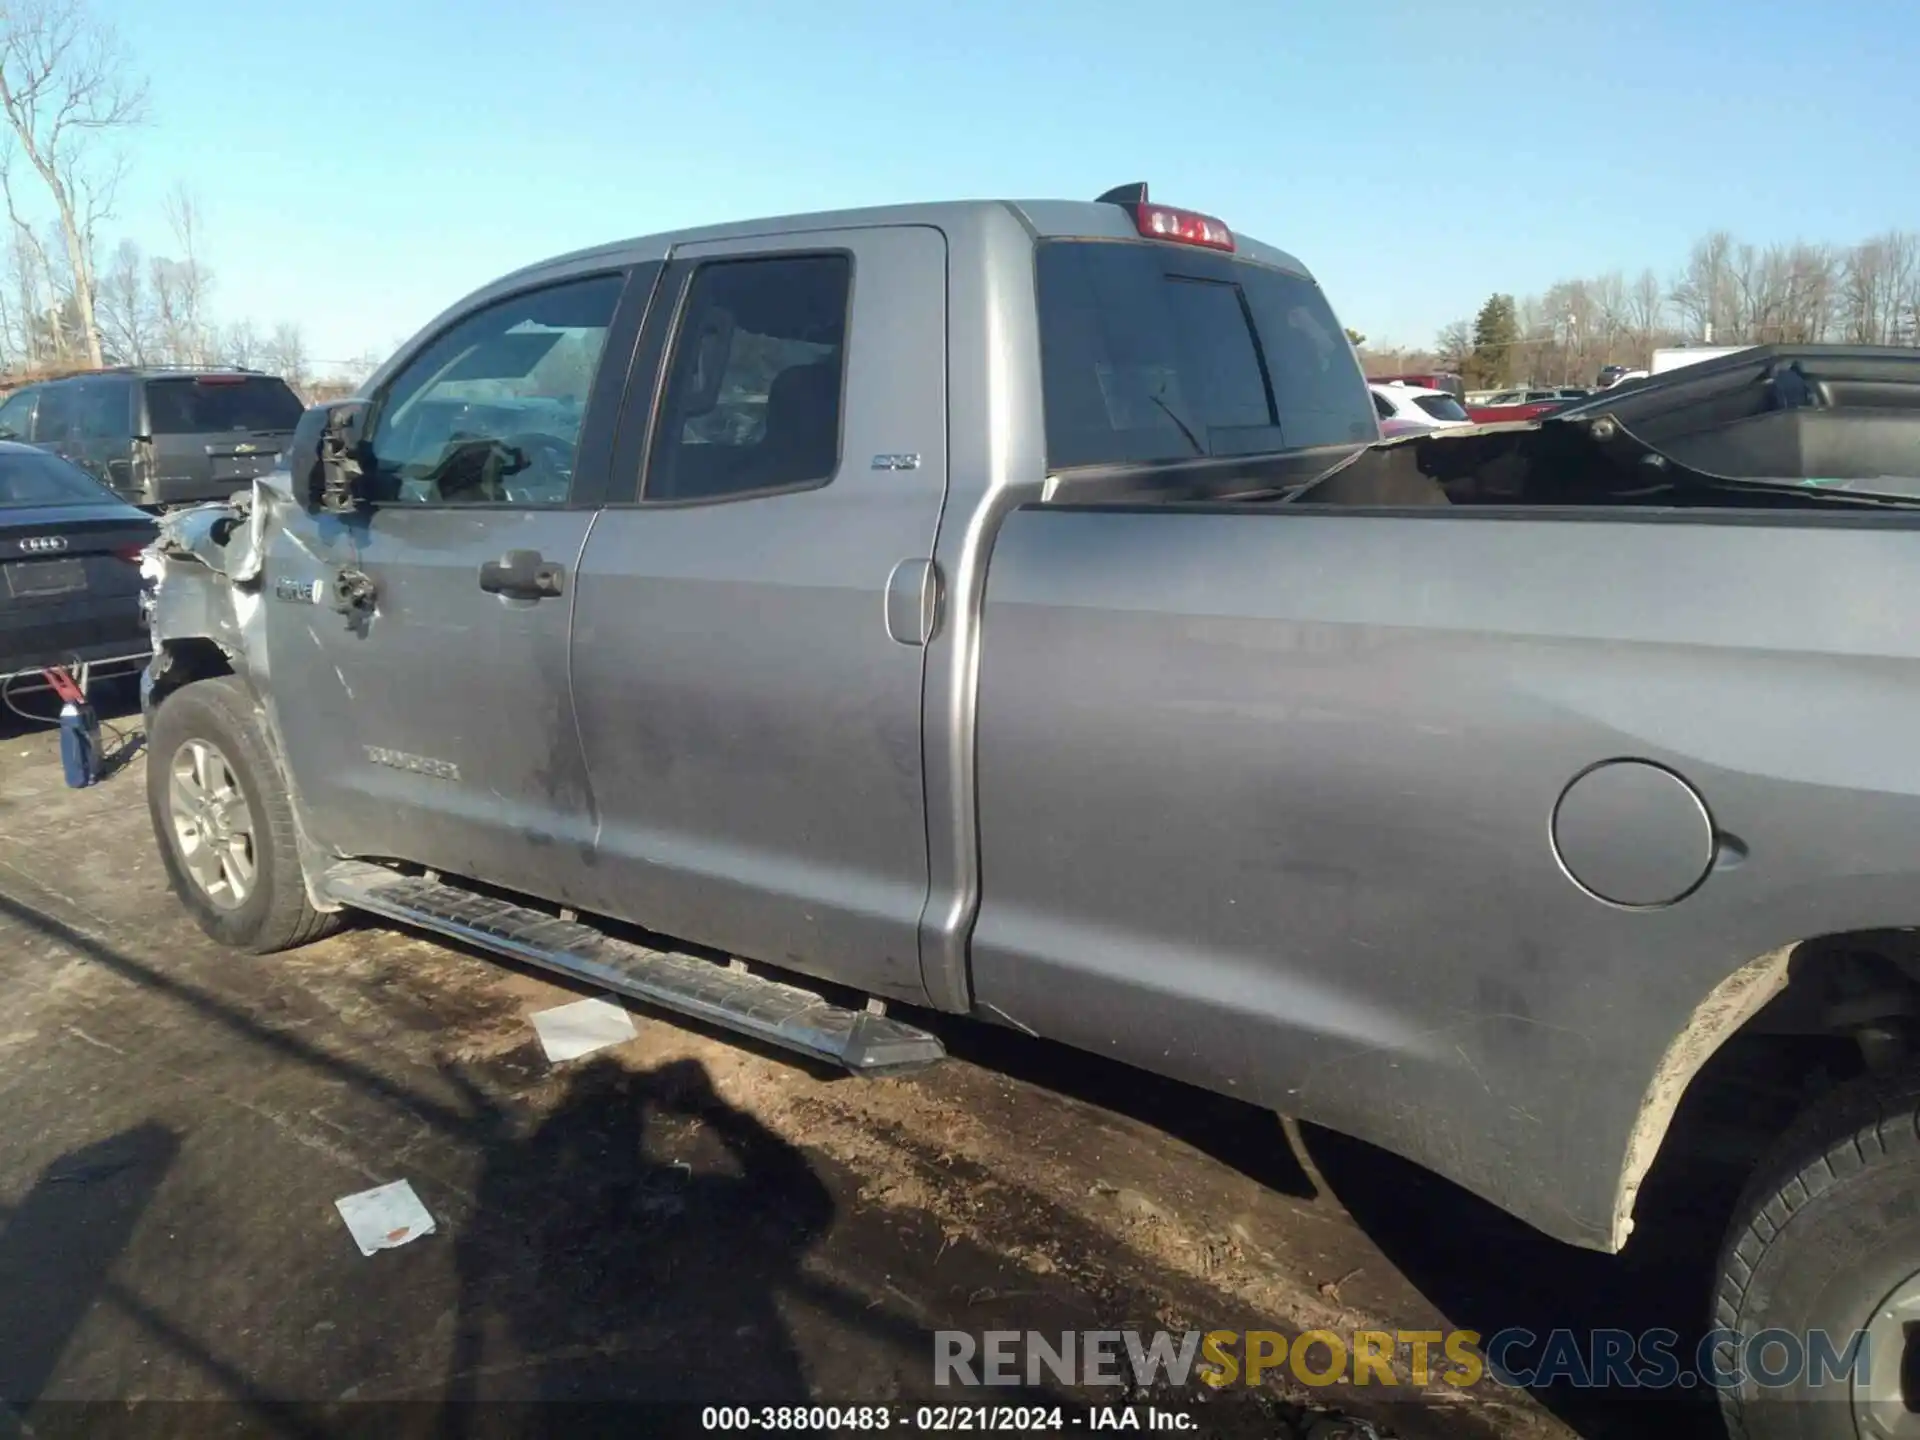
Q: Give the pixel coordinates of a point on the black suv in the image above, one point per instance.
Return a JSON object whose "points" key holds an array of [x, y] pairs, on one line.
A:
{"points": [[159, 437]]}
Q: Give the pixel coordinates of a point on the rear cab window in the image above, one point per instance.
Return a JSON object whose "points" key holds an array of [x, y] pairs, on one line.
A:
{"points": [[221, 404], [1154, 352]]}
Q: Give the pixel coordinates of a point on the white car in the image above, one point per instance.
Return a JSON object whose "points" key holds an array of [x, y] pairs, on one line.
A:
{"points": [[1411, 410]]}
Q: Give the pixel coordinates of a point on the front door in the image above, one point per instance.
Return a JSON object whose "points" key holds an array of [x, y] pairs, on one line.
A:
{"points": [[749, 638], [419, 649]]}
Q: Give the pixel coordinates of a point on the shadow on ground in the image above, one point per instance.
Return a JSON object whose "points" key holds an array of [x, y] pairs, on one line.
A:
{"points": [[631, 1237], [638, 1236], [631, 1241]]}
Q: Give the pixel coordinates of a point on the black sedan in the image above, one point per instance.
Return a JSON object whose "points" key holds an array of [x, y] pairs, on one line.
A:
{"points": [[69, 567]]}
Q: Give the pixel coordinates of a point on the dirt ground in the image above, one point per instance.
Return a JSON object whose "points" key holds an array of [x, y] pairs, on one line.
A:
{"points": [[678, 1217]]}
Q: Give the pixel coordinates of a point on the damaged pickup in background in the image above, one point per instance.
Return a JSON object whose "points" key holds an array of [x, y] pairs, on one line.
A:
{"points": [[989, 648]]}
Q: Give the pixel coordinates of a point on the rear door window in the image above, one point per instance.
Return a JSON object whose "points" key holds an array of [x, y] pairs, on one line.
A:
{"points": [[101, 409], [54, 424], [755, 385], [1441, 407], [221, 404], [1155, 352]]}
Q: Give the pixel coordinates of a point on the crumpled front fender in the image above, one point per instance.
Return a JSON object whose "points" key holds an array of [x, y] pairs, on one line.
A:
{"points": [[205, 573]]}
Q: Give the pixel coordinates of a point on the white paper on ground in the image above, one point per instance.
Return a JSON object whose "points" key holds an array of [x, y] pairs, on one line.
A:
{"points": [[569, 1031], [385, 1216]]}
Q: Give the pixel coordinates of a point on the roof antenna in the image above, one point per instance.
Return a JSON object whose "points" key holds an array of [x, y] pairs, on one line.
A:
{"points": [[1134, 194]]}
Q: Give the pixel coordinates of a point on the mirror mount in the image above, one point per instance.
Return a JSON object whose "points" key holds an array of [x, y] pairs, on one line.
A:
{"points": [[326, 458]]}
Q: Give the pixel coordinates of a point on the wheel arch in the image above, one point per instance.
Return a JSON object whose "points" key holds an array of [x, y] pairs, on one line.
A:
{"points": [[1860, 985], [186, 660]]}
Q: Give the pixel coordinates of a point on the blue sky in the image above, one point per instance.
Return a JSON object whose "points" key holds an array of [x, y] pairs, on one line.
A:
{"points": [[1417, 156]]}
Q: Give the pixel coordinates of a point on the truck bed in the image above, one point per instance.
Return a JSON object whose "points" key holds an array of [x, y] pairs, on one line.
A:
{"points": [[1274, 797]]}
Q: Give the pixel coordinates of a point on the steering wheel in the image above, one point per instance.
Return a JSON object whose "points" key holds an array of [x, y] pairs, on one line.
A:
{"points": [[547, 465]]}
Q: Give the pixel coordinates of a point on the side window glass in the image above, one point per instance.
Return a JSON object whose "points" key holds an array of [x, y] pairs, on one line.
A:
{"points": [[56, 415], [754, 385], [100, 410], [1381, 407], [16, 415], [491, 411]]}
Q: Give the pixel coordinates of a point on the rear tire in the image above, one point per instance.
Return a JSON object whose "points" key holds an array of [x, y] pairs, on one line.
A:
{"points": [[1827, 1239], [223, 821]]}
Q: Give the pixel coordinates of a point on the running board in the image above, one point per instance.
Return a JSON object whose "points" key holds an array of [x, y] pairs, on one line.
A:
{"points": [[780, 1014]]}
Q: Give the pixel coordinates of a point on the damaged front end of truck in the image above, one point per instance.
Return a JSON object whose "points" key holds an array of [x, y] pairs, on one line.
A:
{"points": [[206, 571], [207, 578], [203, 598]]}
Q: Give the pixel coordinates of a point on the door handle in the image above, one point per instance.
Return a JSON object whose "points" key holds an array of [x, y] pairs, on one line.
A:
{"points": [[522, 575]]}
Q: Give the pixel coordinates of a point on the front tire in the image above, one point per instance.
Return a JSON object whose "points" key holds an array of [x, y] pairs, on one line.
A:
{"points": [[223, 821], [1826, 1241]]}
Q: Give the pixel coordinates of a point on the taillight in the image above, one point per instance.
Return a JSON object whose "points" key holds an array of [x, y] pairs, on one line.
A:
{"points": [[129, 553], [1164, 222], [1186, 227]]}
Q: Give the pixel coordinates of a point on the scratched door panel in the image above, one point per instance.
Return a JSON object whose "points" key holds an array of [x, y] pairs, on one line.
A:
{"points": [[749, 699]]}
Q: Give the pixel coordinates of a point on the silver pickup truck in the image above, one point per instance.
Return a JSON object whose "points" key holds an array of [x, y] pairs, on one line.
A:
{"points": [[1009, 610]]}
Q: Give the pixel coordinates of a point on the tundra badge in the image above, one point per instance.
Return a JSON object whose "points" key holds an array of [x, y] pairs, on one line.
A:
{"points": [[299, 592], [418, 764]]}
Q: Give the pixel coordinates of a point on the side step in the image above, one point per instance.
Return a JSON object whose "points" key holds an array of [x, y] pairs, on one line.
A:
{"points": [[783, 1015]]}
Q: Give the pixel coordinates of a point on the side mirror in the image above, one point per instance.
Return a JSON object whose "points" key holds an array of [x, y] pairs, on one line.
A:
{"points": [[324, 457]]}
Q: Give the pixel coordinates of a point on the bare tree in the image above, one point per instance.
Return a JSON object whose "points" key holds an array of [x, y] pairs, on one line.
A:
{"points": [[1878, 282], [181, 286], [1454, 344], [124, 307], [286, 355], [1611, 310], [1706, 291], [65, 88], [1646, 314], [239, 346]]}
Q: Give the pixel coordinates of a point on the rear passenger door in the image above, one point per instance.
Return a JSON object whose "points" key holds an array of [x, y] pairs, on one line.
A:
{"points": [[750, 623]]}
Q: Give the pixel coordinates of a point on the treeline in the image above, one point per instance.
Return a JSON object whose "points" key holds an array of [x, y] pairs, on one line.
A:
{"points": [[1727, 293], [69, 93]]}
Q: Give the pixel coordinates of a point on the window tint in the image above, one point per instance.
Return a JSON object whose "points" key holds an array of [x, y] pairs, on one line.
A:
{"points": [[1154, 352], [55, 421], [218, 404], [16, 415], [1441, 407], [1381, 407], [754, 386], [490, 411], [33, 477], [102, 409]]}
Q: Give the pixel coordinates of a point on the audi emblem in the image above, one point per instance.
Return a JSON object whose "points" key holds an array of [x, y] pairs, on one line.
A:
{"points": [[41, 544]]}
